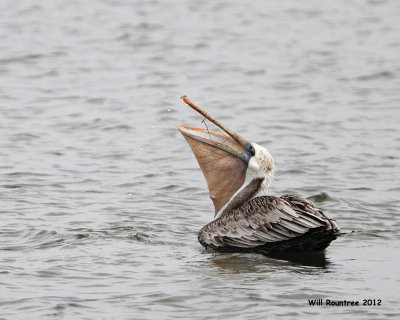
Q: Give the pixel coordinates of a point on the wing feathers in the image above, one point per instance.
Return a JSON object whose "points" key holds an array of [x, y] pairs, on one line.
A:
{"points": [[264, 220]]}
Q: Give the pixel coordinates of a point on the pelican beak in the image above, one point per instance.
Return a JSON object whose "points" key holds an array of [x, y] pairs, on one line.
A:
{"points": [[214, 140], [222, 158]]}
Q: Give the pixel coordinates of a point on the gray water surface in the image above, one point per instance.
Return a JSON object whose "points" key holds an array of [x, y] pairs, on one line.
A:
{"points": [[101, 198]]}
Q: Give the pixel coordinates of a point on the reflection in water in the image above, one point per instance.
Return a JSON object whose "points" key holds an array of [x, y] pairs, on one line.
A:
{"points": [[249, 263], [240, 263], [309, 259]]}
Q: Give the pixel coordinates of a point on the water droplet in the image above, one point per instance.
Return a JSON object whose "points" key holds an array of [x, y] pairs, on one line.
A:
{"points": [[169, 110]]}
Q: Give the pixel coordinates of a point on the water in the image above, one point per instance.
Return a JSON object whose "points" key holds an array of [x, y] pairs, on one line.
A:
{"points": [[101, 198]]}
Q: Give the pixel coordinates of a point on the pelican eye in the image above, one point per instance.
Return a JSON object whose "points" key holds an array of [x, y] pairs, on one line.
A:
{"points": [[252, 150]]}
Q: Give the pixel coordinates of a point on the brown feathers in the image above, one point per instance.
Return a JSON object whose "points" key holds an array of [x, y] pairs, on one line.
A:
{"points": [[266, 220]]}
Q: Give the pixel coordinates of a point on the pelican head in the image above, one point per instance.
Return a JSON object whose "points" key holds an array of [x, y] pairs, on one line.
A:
{"points": [[235, 169]]}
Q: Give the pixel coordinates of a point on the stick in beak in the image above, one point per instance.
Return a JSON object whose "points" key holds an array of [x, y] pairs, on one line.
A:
{"points": [[229, 131]]}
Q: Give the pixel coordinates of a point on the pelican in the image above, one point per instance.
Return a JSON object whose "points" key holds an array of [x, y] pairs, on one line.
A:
{"points": [[238, 173]]}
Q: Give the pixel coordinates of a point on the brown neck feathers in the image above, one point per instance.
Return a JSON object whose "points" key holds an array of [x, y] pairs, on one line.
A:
{"points": [[244, 195]]}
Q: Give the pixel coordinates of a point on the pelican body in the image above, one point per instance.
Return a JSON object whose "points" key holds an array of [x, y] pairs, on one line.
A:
{"points": [[238, 173]]}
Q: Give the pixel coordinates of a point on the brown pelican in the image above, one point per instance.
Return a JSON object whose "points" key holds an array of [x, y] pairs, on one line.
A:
{"points": [[238, 173]]}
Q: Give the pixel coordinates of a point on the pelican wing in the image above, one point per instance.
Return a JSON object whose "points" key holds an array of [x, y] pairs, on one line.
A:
{"points": [[262, 221]]}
